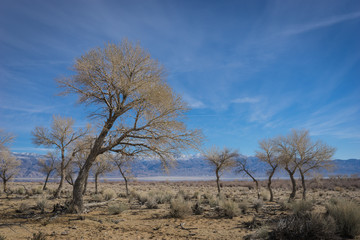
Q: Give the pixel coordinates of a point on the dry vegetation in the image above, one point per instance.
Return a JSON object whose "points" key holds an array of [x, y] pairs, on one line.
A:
{"points": [[184, 210]]}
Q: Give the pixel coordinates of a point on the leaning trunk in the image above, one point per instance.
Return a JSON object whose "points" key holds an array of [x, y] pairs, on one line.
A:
{"points": [[126, 181], [85, 185], [46, 180], [269, 185], [218, 181], [293, 182], [58, 190], [77, 204], [303, 184]]}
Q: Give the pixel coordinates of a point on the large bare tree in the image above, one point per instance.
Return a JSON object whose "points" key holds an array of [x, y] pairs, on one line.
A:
{"points": [[8, 166], [312, 155], [61, 136], [268, 154], [242, 166], [124, 164], [47, 165], [137, 112], [220, 160]]}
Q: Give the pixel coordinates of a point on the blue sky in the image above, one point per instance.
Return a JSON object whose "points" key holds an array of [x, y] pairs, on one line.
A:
{"points": [[249, 69]]}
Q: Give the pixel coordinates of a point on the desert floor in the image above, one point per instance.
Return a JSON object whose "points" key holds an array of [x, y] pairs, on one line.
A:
{"points": [[26, 210]]}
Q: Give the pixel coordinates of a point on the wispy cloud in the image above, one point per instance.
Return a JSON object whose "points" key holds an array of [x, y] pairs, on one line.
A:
{"points": [[193, 103], [325, 23], [246, 100]]}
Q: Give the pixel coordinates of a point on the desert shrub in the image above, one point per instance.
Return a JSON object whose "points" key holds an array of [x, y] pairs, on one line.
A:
{"points": [[301, 206], [20, 191], [161, 197], [41, 204], [23, 208], [183, 194], [258, 204], [2, 237], [261, 233], [151, 203], [36, 190], [117, 208], [346, 215], [265, 195], [180, 208], [142, 198], [197, 209], [243, 207], [97, 198], [39, 236], [228, 208], [304, 226], [109, 194], [122, 195]]}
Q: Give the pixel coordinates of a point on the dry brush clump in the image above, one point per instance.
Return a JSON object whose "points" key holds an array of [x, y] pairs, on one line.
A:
{"points": [[346, 215], [117, 208], [303, 227], [109, 194], [228, 208], [180, 208]]}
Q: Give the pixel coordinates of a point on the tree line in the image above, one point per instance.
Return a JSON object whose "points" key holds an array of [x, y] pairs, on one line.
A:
{"points": [[295, 152], [135, 113]]}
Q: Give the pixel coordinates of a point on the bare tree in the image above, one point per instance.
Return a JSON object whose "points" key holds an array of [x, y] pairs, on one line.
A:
{"points": [[221, 160], [5, 138], [312, 155], [62, 137], [123, 163], [242, 166], [268, 154], [47, 165], [137, 112], [8, 166], [101, 166], [288, 159]]}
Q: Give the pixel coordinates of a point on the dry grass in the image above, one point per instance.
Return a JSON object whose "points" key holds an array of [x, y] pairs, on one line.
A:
{"points": [[170, 210]]}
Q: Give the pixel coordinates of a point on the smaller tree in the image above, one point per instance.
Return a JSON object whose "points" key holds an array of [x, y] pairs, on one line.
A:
{"points": [[267, 154], [62, 137], [8, 166], [312, 155], [242, 166], [221, 160], [101, 167], [47, 166], [123, 163], [286, 151]]}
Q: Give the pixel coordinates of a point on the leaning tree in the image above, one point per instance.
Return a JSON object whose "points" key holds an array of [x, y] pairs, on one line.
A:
{"points": [[220, 160], [136, 110], [267, 154]]}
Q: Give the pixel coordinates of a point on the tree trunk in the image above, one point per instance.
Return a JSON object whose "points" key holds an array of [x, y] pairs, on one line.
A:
{"points": [[46, 180], [269, 185], [58, 190], [256, 183], [303, 184], [293, 182], [96, 184], [218, 181], [125, 179], [85, 184], [5, 187], [77, 205], [126, 186]]}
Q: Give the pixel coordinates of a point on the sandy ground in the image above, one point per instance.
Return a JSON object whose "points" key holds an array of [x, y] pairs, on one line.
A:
{"points": [[20, 218]]}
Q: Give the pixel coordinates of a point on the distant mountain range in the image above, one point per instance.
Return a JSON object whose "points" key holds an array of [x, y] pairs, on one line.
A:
{"points": [[186, 166]]}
